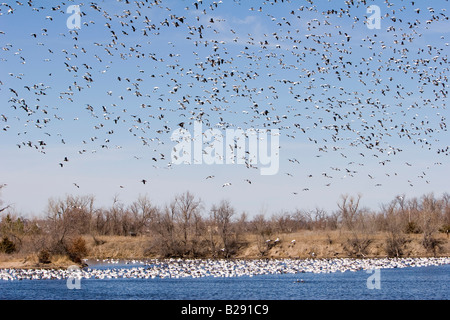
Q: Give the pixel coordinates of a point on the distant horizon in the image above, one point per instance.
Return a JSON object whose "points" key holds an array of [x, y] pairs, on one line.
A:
{"points": [[262, 208]]}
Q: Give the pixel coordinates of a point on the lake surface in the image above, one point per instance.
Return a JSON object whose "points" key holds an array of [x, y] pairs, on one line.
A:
{"points": [[411, 283]]}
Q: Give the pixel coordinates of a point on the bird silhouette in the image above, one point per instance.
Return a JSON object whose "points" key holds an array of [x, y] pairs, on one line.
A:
{"points": [[303, 70]]}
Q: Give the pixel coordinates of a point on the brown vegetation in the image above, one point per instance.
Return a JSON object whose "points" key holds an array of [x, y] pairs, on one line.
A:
{"points": [[74, 228]]}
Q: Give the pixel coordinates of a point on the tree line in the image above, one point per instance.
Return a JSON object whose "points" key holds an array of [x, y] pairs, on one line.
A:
{"points": [[184, 227]]}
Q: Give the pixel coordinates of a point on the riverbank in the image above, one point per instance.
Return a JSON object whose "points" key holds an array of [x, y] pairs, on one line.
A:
{"points": [[299, 245], [199, 268]]}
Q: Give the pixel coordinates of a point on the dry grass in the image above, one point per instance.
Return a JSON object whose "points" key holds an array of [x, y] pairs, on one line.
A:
{"points": [[118, 247], [308, 244], [32, 261]]}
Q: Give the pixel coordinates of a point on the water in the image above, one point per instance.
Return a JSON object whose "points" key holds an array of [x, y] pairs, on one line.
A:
{"points": [[411, 283]]}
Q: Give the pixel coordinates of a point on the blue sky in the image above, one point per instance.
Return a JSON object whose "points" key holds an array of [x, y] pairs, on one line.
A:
{"points": [[311, 70]]}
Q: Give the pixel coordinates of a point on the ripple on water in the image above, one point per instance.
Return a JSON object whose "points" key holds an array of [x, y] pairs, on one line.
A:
{"points": [[271, 279]]}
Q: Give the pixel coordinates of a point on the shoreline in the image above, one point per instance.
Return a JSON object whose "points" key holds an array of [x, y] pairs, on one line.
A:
{"points": [[298, 245], [89, 262], [200, 268]]}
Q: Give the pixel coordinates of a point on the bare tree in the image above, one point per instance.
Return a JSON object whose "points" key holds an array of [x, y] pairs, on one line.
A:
{"points": [[333, 220], [446, 213], [320, 219], [401, 200], [301, 219], [430, 221], [349, 210], [1, 202], [283, 222], [412, 206], [263, 231], [166, 242], [212, 238], [117, 218], [353, 220], [143, 213], [187, 209], [61, 224], [241, 225], [394, 225], [222, 217]]}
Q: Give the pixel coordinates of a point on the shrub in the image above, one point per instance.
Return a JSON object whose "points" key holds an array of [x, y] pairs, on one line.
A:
{"points": [[357, 247], [445, 229], [7, 246], [431, 244], [44, 257], [58, 248], [77, 249], [395, 246], [412, 227]]}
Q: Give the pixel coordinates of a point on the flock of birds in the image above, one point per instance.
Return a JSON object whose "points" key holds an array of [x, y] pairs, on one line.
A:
{"points": [[197, 268], [144, 69]]}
